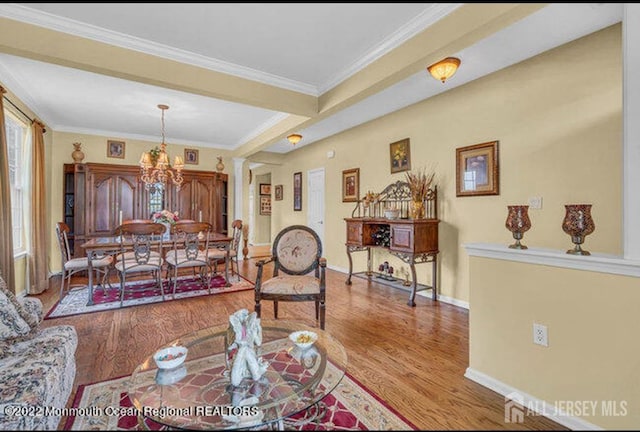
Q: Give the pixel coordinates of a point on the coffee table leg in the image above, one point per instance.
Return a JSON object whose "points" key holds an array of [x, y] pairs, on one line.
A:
{"points": [[90, 270]]}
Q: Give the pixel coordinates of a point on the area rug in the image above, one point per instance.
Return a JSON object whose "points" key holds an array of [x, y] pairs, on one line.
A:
{"points": [[350, 406], [146, 291]]}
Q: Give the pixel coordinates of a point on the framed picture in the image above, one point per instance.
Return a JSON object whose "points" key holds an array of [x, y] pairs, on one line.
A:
{"points": [[265, 189], [351, 185], [115, 149], [191, 156], [477, 171], [278, 192], [297, 191], [265, 205], [400, 154]]}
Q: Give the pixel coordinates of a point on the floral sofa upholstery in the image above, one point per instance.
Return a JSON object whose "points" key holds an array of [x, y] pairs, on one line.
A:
{"points": [[37, 365]]}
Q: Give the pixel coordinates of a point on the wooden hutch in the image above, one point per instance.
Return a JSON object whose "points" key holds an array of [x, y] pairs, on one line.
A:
{"points": [[414, 241], [95, 194]]}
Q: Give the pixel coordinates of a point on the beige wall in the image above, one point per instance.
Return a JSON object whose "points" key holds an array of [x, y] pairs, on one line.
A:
{"points": [[262, 225], [592, 323], [559, 124], [95, 149]]}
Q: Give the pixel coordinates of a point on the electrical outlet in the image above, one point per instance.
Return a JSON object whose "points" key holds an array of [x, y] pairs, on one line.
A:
{"points": [[540, 336], [535, 203]]}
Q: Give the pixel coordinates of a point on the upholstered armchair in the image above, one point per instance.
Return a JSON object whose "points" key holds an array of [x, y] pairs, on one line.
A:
{"points": [[296, 252]]}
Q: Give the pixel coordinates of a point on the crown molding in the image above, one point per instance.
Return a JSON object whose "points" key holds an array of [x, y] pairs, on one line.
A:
{"points": [[428, 17], [141, 137], [65, 25], [13, 84], [274, 120]]}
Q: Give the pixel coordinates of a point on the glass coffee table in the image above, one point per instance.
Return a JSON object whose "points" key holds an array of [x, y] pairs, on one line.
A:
{"points": [[198, 394]]}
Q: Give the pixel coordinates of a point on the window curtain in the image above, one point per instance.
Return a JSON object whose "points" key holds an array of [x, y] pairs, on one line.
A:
{"points": [[38, 268], [6, 232]]}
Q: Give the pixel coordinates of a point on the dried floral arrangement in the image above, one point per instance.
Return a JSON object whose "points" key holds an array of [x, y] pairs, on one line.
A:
{"points": [[420, 182]]}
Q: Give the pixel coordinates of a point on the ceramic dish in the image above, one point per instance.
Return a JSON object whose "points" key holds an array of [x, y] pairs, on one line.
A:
{"points": [[170, 357], [303, 339]]}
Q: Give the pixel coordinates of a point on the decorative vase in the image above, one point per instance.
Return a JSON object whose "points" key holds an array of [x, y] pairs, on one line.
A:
{"points": [[578, 224], [220, 165], [167, 232], [518, 223], [77, 154], [417, 209]]}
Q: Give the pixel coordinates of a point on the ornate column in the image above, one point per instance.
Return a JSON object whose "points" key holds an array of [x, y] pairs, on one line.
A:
{"points": [[238, 163]]}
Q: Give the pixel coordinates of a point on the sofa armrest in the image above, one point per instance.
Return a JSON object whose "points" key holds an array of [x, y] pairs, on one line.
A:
{"points": [[33, 307]]}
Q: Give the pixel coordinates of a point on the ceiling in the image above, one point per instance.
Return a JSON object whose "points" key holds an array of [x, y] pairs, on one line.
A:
{"points": [[304, 50]]}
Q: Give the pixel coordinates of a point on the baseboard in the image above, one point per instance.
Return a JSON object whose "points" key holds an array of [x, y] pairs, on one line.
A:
{"points": [[443, 299], [528, 402]]}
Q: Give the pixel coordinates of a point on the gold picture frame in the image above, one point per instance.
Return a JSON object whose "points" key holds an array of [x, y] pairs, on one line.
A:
{"points": [[477, 170], [191, 156], [278, 193], [115, 149], [400, 156], [351, 185]]}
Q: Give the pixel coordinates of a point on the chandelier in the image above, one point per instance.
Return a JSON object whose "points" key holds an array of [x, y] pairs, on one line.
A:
{"points": [[155, 168]]}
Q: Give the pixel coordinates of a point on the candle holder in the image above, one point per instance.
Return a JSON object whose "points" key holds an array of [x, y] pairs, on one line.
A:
{"points": [[518, 223], [578, 224]]}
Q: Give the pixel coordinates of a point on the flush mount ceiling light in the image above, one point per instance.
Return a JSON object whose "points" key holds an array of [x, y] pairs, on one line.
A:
{"points": [[294, 138], [444, 69]]}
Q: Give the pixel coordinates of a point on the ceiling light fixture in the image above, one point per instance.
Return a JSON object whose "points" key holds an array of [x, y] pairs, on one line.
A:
{"points": [[444, 69], [294, 138], [155, 167]]}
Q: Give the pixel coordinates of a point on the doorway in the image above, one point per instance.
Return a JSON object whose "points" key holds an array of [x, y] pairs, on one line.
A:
{"points": [[315, 206]]}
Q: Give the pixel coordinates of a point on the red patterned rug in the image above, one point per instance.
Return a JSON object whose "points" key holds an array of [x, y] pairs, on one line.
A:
{"points": [[142, 292], [351, 406]]}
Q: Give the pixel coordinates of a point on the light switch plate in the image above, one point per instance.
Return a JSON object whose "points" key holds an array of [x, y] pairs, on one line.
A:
{"points": [[535, 203]]}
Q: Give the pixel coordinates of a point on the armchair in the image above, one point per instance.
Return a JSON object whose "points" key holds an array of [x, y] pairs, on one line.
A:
{"points": [[296, 252]]}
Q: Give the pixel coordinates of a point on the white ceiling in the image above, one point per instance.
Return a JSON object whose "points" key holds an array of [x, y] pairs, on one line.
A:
{"points": [[307, 48]]}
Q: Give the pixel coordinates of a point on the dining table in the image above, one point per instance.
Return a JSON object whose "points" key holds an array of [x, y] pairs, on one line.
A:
{"points": [[97, 247]]}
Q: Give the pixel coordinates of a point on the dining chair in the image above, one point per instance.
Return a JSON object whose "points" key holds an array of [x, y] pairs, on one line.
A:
{"points": [[71, 266], [140, 252], [190, 250], [296, 252], [217, 255]]}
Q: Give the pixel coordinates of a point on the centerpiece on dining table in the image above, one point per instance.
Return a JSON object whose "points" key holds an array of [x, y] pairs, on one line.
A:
{"points": [[166, 218]]}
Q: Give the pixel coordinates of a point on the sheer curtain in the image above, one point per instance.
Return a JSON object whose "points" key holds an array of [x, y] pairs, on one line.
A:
{"points": [[38, 268], [6, 231]]}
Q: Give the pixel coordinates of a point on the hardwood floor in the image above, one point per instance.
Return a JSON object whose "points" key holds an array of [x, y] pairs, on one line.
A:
{"points": [[412, 358]]}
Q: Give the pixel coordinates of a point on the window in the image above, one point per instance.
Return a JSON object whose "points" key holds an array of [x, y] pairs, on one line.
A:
{"points": [[16, 146]]}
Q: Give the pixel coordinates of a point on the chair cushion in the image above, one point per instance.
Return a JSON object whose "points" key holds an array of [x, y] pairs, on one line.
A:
{"points": [[297, 250], [83, 263], [291, 285], [221, 254], [130, 266], [181, 260], [132, 256]]}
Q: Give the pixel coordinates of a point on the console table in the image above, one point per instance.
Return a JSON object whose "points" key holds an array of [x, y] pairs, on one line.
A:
{"points": [[414, 241]]}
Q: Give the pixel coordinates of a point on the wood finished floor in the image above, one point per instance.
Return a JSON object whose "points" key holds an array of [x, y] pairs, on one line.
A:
{"points": [[412, 358]]}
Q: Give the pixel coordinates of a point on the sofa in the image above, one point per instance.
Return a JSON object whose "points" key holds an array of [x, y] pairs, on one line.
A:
{"points": [[37, 365]]}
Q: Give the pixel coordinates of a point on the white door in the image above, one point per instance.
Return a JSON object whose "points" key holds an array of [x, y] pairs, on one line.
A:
{"points": [[315, 206]]}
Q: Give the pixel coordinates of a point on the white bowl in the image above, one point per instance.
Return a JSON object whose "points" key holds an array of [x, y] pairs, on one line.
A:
{"points": [[392, 214], [171, 357], [303, 339]]}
